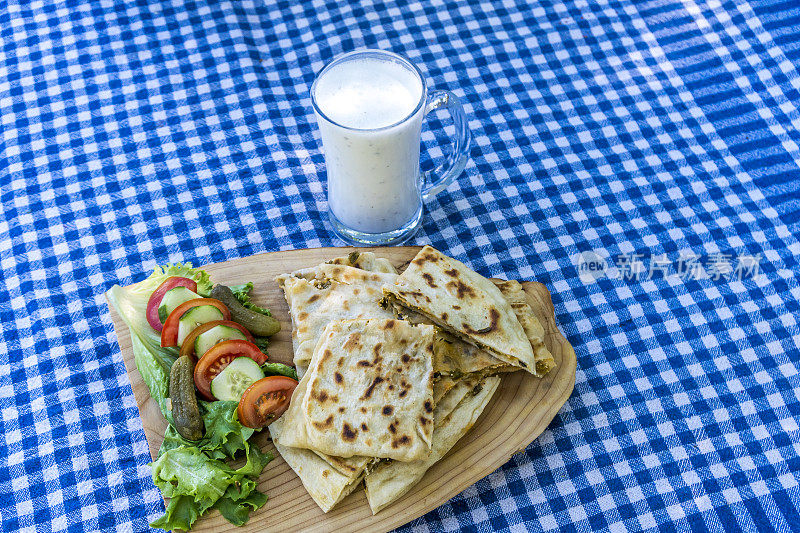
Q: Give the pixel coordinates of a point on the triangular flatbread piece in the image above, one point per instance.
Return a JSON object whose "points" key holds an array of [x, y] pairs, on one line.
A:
{"points": [[465, 304], [390, 480], [369, 392], [514, 293]]}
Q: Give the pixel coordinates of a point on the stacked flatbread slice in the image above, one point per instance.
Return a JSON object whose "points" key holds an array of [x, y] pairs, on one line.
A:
{"points": [[452, 331]]}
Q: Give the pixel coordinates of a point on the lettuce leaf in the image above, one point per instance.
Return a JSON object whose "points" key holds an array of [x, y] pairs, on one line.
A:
{"points": [[182, 511], [186, 471], [237, 512], [224, 435], [242, 293], [196, 483], [279, 369]]}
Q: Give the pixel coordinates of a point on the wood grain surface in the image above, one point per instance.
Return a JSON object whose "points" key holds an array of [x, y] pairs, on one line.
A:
{"points": [[520, 411]]}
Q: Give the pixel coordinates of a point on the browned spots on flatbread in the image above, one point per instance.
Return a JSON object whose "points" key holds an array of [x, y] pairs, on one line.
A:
{"points": [[406, 358], [302, 315], [328, 423], [388, 325], [391, 387], [387, 410], [393, 427], [346, 305], [424, 256], [340, 362], [341, 409], [353, 342], [494, 319], [313, 298], [338, 377], [348, 433], [453, 273], [444, 316], [364, 363], [323, 396], [377, 348], [364, 427], [325, 473], [429, 280], [368, 392], [337, 270], [364, 410], [327, 354], [405, 440], [415, 294], [371, 292], [428, 406], [460, 289], [424, 421], [457, 307], [403, 393], [356, 291]]}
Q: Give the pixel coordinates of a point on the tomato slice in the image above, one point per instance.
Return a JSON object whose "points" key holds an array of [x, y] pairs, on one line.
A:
{"points": [[188, 344], [155, 299], [218, 357], [265, 400], [169, 335]]}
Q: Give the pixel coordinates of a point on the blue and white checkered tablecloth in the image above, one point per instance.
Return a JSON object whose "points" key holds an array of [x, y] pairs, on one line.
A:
{"points": [[660, 138]]}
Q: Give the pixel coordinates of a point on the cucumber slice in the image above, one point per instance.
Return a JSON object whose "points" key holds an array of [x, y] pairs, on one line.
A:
{"points": [[194, 317], [217, 334], [172, 299], [235, 378]]}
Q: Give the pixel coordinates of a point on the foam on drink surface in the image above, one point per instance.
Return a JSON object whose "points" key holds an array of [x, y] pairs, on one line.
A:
{"points": [[372, 172], [368, 94]]}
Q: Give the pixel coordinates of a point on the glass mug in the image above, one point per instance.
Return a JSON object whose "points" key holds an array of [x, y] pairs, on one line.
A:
{"points": [[370, 105]]}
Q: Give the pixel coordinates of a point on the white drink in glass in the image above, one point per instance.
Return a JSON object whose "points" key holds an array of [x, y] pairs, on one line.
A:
{"points": [[371, 142]]}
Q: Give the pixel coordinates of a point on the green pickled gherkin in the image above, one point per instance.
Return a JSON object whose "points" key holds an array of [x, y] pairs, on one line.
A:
{"points": [[185, 412]]}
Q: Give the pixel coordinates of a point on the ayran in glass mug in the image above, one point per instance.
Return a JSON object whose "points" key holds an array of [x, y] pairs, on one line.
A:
{"points": [[370, 105]]}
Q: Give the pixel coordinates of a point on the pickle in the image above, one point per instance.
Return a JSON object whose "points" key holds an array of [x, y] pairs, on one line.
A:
{"points": [[185, 412], [258, 324]]}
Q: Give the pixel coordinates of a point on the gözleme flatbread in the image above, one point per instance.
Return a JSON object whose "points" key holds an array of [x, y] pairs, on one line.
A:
{"points": [[329, 292], [369, 392], [465, 303], [515, 295], [390, 480]]}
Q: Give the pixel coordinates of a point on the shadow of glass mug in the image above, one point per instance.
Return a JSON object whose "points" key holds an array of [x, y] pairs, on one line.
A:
{"points": [[370, 105]]}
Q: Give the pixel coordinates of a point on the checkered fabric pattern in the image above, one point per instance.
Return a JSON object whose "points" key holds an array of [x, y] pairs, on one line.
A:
{"points": [[136, 133]]}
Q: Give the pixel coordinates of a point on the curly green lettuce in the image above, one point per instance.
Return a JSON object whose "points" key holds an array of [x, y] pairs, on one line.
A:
{"points": [[196, 483], [242, 293]]}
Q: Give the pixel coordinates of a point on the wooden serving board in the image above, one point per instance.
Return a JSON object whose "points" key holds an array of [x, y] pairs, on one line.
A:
{"points": [[520, 410]]}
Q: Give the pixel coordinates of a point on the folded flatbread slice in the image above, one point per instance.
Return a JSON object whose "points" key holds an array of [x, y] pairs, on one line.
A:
{"points": [[514, 293], [366, 261], [391, 480], [289, 429], [326, 485], [369, 392], [327, 293], [464, 303]]}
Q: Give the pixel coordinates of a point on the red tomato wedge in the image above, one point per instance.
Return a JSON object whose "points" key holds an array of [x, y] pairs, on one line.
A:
{"points": [[218, 357], [169, 335], [188, 344], [265, 400], [155, 300]]}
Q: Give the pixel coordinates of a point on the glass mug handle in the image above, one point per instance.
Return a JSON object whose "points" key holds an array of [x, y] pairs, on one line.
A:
{"points": [[444, 174]]}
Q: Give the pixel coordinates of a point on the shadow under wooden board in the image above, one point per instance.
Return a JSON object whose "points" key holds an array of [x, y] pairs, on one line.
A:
{"points": [[520, 410]]}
